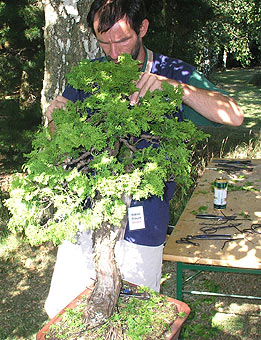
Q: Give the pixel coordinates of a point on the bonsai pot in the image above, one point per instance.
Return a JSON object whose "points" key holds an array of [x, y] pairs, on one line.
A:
{"points": [[183, 311]]}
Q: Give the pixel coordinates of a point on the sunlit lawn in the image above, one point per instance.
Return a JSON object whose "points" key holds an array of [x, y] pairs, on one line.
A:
{"points": [[236, 82]]}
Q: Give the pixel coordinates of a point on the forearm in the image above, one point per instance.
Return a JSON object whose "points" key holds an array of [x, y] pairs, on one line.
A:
{"points": [[213, 105]]}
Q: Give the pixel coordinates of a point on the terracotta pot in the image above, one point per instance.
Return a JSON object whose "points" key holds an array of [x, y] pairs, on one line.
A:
{"points": [[175, 327]]}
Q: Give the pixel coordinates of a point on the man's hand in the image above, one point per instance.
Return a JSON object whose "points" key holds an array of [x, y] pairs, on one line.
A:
{"points": [[147, 81], [57, 103]]}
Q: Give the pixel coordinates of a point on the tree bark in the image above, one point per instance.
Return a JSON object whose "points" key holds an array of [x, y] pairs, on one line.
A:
{"points": [[107, 287], [68, 40], [225, 59]]}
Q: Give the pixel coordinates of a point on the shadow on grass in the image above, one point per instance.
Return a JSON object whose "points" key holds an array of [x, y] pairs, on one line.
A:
{"points": [[25, 272], [25, 279], [212, 317], [223, 318], [238, 84]]}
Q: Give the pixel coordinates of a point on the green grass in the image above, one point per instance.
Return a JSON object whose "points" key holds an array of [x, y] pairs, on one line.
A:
{"points": [[245, 93], [25, 272], [25, 276], [243, 141]]}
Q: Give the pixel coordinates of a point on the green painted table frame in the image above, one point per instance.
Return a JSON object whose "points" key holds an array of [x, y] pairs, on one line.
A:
{"points": [[200, 268]]}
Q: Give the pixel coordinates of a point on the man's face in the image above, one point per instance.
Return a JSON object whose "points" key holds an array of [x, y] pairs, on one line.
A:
{"points": [[119, 39]]}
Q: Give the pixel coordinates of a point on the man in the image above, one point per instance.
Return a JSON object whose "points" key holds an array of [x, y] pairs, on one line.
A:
{"points": [[119, 27]]}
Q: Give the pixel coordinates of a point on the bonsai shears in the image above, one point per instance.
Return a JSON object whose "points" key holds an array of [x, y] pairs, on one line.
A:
{"points": [[186, 240], [211, 229], [223, 218], [216, 217], [189, 239], [130, 293]]}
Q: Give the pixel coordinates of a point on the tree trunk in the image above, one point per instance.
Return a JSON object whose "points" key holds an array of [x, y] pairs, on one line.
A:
{"points": [[24, 98], [225, 59], [107, 287], [68, 40]]}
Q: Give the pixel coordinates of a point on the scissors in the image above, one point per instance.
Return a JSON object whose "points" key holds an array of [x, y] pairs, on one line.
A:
{"points": [[223, 219], [130, 293], [211, 229], [216, 217], [187, 241], [253, 229]]}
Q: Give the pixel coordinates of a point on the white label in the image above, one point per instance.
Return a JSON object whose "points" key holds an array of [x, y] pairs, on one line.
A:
{"points": [[220, 196], [136, 218]]}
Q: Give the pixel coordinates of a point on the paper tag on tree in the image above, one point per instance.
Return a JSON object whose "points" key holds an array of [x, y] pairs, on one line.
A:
{"points": [[136, 218]]}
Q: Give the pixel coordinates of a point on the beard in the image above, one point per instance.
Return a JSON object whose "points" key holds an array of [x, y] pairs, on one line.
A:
{"points": [[134, 52]]}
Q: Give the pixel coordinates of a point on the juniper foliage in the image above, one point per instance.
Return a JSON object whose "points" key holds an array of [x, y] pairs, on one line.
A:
{"points": [[79, 175]]}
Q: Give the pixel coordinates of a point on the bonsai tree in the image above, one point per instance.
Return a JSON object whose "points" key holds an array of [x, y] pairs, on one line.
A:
{"points": [[88, 171]]}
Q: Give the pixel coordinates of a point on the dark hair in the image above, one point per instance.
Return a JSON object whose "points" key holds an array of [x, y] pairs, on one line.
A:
{"points": [[111, 11]]}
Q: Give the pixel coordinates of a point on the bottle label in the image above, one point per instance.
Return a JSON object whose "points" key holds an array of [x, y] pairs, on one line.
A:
{"points": [[220, 198]]}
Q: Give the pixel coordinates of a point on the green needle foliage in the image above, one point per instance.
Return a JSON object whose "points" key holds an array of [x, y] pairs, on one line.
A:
{"points": [[134, 319], [94, 158]]}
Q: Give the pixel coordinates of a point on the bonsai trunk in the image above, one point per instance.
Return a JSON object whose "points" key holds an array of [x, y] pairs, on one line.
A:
{"points": [[107, 287]]}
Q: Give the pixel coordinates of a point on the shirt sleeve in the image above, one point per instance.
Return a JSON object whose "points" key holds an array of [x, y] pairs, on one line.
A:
{"points": [[74, 95], [198, 80]]}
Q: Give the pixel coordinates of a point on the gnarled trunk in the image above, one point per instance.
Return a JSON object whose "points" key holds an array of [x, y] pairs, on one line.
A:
{"points": [[108, 278]]}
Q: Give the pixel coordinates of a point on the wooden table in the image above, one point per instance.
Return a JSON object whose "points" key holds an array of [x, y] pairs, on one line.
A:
{"points": [[241, 256]]}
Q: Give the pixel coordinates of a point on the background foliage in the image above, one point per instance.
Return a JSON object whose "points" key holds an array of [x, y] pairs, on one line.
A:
{"points": [[21, 73], [21, 44], [200, 31], [209, 28]]}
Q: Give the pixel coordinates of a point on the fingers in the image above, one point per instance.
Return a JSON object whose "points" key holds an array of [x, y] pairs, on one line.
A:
{"points": [[147, 81], [57, 103]]}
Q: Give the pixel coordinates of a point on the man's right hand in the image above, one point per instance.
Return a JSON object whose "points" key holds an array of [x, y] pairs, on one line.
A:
{"points": [[57, 103]]}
